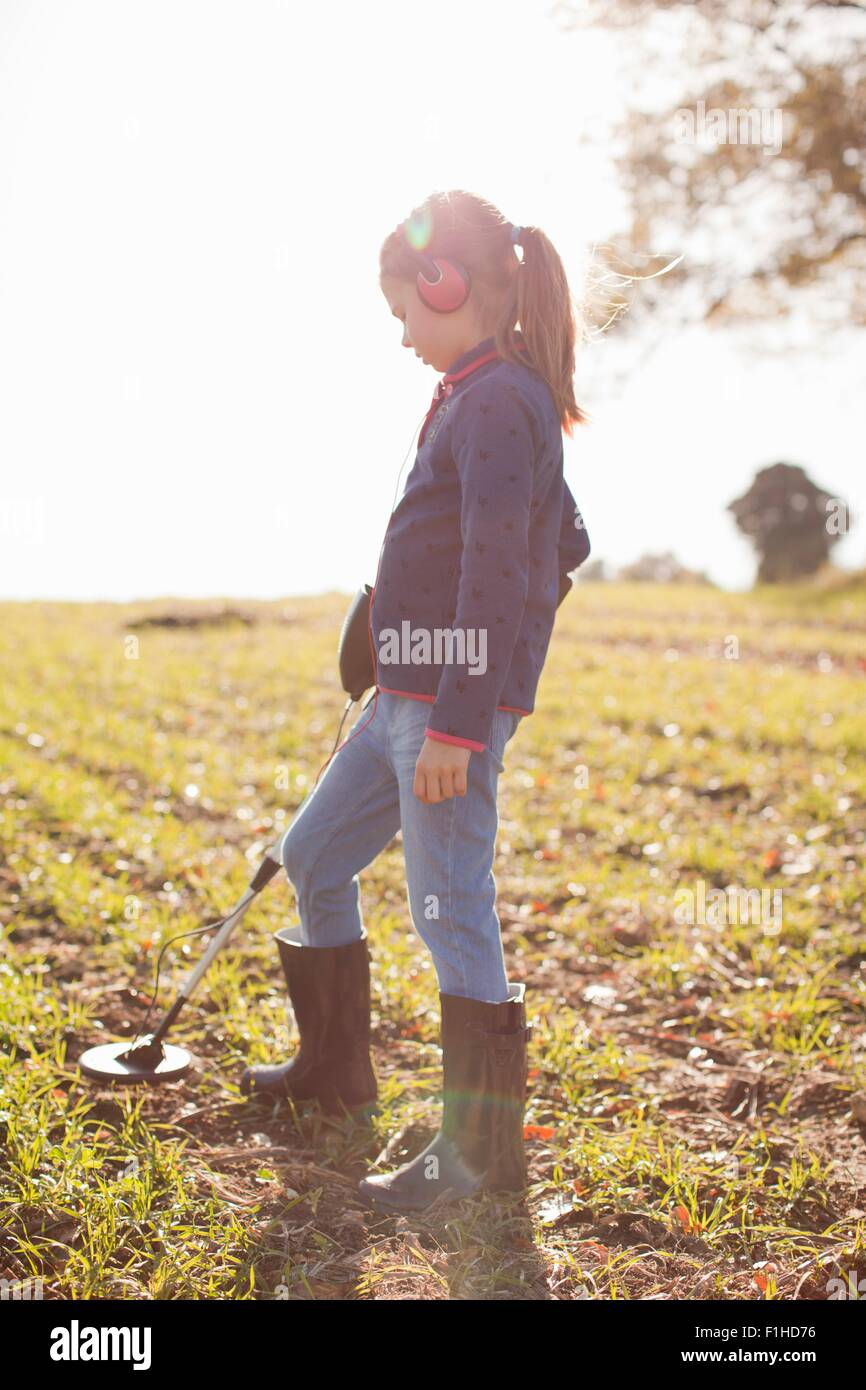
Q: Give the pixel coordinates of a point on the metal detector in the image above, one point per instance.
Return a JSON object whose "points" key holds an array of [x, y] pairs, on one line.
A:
{"points": [[149, 1057]]}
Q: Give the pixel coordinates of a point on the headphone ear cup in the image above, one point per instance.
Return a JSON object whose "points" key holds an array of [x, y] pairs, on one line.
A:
{"points": [[445, 286]]}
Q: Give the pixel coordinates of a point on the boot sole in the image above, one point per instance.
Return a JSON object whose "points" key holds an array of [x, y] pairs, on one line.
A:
{"points": [[385, 1202]]}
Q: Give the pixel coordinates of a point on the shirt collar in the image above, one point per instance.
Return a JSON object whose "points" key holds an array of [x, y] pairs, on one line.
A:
{"points": [[467, 361], [461, 367], [467, 358]]}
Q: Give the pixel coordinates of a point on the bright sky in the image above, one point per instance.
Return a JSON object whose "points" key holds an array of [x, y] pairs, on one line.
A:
{"points": [[203, 390]]}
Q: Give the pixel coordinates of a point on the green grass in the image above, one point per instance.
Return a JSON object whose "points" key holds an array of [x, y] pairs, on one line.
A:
{"points": [[690, 1131]]}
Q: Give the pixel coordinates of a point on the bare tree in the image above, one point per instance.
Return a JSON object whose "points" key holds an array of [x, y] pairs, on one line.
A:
{"points": [[769, 227]]}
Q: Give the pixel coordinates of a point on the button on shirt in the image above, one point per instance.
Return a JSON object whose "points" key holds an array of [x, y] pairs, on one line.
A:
{"points": [[463, 606]]}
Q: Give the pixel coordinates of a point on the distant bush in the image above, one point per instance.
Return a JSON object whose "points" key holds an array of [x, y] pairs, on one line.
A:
{"points": [[662, 569], [593, 573]]}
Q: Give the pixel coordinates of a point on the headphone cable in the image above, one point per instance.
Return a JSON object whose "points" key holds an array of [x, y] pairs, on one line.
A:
{"points": [[350, 702]]}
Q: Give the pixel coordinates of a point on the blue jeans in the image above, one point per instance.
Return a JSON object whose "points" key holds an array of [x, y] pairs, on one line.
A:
{"points": [[362, 799]]}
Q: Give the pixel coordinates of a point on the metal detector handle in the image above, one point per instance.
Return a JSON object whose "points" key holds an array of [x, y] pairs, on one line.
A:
{"points": [[267, 870], [189, 984], [269, 867]]}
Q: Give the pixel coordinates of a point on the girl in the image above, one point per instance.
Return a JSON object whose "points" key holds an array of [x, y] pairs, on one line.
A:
{"points": [[474, 562]]}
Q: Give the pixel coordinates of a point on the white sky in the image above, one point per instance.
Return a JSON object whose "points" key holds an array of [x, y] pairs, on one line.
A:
{"points": [[202, 391]]}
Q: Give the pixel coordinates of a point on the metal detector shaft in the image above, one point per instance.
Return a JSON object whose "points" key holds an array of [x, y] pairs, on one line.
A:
{"points": [[269, 867]]}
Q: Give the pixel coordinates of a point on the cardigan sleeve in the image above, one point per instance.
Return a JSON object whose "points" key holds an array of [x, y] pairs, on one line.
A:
{"points": [[495, 449]]}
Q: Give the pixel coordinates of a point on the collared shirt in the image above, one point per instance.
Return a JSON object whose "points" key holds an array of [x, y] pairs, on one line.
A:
{"points": [[463, 605]]}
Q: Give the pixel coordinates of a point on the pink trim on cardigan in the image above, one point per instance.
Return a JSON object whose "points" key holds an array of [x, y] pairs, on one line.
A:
{"points": [[450, 738], [410, 695], [386, 690], [434, 733]]}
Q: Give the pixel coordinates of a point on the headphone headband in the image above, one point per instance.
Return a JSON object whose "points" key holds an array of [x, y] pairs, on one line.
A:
{"points": [[443, 283]]}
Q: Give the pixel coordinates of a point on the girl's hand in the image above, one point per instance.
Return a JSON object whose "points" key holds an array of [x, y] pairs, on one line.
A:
{"points": [[440, 771]]}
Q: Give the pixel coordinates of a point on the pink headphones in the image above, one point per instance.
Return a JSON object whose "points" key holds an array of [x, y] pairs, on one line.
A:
{"points": [[445, 286]]}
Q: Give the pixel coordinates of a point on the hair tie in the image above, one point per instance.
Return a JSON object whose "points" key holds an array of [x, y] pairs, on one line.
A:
{"points": [[516, 233]]}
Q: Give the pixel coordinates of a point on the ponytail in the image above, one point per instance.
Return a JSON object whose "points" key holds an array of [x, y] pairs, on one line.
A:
{"points": [[539, 299]]}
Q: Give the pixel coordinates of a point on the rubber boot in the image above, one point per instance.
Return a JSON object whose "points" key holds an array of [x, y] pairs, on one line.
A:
{"points": [[480, 1140], [329, 988]]}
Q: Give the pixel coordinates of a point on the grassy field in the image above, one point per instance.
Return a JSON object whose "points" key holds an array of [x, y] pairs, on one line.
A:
{"points": [[694, 1128]]}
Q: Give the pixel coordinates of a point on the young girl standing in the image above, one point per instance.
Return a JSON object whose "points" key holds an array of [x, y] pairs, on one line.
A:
{"points": [[473, 565]]}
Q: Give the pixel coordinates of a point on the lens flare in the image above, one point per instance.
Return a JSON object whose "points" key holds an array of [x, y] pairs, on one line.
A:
{"points": [[419, 229]]}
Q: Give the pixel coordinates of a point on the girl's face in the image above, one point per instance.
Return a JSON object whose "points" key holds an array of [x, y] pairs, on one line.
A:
{"points": [[436, 338]]}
